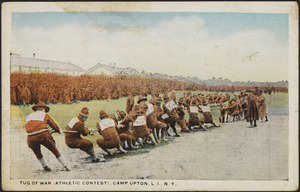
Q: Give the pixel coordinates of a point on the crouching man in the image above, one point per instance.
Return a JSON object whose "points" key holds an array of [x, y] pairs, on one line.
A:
{"points": [[38, 134], [74, 129], [140, 127], [194, 120], [208, 118], [108, 129]]}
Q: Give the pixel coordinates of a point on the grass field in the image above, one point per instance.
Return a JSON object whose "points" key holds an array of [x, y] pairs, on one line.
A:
{"points": [[63, 113]]}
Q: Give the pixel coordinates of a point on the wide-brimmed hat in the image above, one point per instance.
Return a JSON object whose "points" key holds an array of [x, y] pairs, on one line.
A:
{"points": [[41, 104], [141, 99], [121, 114], [102, 114], [84, 112]]}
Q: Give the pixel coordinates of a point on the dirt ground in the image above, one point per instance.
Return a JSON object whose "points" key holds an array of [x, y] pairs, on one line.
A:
{"points": [[229, 152]]}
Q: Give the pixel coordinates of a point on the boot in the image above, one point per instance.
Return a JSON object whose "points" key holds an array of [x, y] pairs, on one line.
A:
{"points": [[123, 145], [167, 133], [46, 168], [266, 118], [139, 142], [255, 123], [121, 150], [132, 147], [63, 163], [163, 135], [91, 152], [175, 131], [203, 128], [107, 151], [157, 133], [152, 139], [66, 168]]}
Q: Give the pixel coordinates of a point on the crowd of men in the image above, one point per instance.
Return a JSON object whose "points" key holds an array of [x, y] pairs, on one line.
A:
{"points": [[146, 122], [54, 88]]}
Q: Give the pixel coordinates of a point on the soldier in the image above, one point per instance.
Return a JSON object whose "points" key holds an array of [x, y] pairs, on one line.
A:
{"points": [[125, 127], [244, 104], [235, 107], [38, 134], [108, 129], [140, 126], [74, 129], [222, 114], [262, 106], [253, 114], [129, 102], [173, 97], [170, 108], [124, 135], [158, 112], [152, 121], [208, 118], [181, 121], [194, 116]]}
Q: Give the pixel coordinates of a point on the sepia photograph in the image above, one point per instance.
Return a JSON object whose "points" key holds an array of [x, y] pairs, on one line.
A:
{"points": [[143, 96]]}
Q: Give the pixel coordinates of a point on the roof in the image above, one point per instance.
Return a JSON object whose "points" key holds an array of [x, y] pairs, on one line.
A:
{"points": [[115, 70], [121, 71], [93, 68], [17, 60]]}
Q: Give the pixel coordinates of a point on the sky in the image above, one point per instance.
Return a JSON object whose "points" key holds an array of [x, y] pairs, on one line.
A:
{"points": [[237, 46]]}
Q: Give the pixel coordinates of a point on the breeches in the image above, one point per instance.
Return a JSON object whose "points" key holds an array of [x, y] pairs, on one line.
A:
{"points": [[125, 137], [45, 138], [109, 143], [82, 144], [194, 121], [142, 132]]}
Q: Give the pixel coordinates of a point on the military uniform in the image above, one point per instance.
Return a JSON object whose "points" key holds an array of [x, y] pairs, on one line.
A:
{"points": [[38, 134], [170, 108]]}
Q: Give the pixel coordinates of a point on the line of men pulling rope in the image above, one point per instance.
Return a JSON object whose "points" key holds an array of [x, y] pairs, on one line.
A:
{"points": [[143, 124]]}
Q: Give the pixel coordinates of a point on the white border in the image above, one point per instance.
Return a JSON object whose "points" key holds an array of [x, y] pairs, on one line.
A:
{"points": [[242, 7]]}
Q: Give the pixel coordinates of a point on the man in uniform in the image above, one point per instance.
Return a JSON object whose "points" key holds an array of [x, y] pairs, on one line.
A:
{"points": [[244, 105], [262, 106], [235, 107], [158, 112], [74, 129], [141, 129], [194, 116], [152, 121], [38, 134], [208, 118], [125, 128], [181, 121], [108, 129], [253, 114], [129, 102], [170, 108], [173, 97], [124, 135]]}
